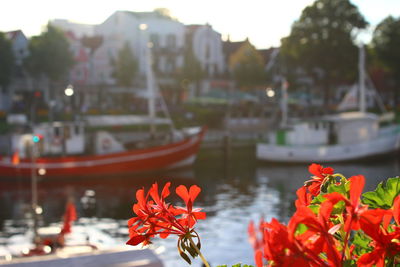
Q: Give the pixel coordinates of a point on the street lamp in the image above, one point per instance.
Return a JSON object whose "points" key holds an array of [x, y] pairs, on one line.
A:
{"points": [[270, 92], [69, 91], [143, 26]]}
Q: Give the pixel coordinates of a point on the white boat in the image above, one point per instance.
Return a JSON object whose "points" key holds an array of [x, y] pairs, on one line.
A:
{"points": [[340, 137], [86, 245]]}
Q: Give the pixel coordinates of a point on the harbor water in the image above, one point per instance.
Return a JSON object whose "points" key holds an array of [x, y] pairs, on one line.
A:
{"points": [[235, 190]]}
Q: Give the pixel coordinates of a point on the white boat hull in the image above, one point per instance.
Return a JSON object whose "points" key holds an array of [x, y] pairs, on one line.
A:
{"points": [[383, 144]]}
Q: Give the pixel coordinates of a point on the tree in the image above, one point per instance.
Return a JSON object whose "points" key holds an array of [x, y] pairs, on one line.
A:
{"points": [[385, 44], [192, 71], [321, 43], [125, 67], [50, 55], [247, 66], [7, 61]]}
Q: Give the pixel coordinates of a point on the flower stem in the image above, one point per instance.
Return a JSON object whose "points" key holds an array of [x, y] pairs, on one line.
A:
{"points": [[198, 252]]}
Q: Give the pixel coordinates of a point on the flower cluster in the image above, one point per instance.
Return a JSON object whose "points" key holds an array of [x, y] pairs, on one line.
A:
{"points": [[334, 225], [155, 217]]}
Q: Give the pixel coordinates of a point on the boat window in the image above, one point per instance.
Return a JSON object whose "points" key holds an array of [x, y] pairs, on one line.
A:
{"points": [[77, 129], [316, 126], [56, 131]]}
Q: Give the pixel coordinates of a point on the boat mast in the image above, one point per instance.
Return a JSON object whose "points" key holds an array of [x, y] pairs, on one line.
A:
{"points": [[361, 78], [149, 80], [151, 89]]}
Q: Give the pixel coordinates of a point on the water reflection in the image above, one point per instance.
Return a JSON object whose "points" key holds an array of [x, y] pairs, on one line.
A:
{"points": [[233, 193]]}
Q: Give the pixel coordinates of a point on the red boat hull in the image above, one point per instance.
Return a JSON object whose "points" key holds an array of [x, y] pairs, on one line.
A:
{"points": [[141, 160]]}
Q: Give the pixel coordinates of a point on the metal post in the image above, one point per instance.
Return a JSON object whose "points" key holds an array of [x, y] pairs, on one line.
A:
{"points": [[34, 191], [284, 103], [361, 78]]}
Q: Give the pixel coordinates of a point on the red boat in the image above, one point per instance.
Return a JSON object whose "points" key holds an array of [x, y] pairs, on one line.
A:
{"points": [[173, 155]]}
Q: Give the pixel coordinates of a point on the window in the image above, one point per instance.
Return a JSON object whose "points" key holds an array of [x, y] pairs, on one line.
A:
{"points": [[207, 52], [155, 39], [170, 65], [171, 41]]}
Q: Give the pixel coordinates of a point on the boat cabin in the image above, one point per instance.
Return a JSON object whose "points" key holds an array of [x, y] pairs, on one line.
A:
{"points": [[343, 128], [57, 138]]}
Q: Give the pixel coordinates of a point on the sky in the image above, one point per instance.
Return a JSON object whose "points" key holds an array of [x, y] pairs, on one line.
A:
{"points": [[264, 22]]}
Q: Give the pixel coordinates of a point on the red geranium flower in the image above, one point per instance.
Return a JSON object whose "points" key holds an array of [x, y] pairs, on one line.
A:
{"points": [[156, 217], [385, 243], [303, 197], [353, 205], [320, 174], [320, 231]]}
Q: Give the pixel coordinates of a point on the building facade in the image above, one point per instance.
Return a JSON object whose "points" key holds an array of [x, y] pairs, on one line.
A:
{"points": [[206, 45], [123, 27]]}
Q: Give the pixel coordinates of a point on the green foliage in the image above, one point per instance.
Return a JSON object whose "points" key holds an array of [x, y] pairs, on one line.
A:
{"points": [[386, 42], [50, 55], [321, 42], [385, 46], [341, 188], [192, 71], [384, 194], [247, 66], [125, 67], [361, 243], [6, 60]]}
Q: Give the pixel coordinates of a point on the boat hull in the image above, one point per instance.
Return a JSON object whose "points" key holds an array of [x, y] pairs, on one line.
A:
{"points": [[329, 153], [169, 156]]}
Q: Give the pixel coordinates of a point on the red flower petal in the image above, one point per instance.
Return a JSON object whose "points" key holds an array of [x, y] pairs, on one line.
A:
{"points": [[258, 258], [320, 171], [199, 215], [377, 256], [194, 191], [183, 193], [303, 197], [165, 191], [136, 240], [356, 187]]}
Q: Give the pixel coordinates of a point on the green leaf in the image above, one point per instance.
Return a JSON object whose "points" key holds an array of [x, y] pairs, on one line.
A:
{"points": [[340, 188], [361, 243], [318, 199], [349, 263], [384, 194], [301, 229], [314, 208]]}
